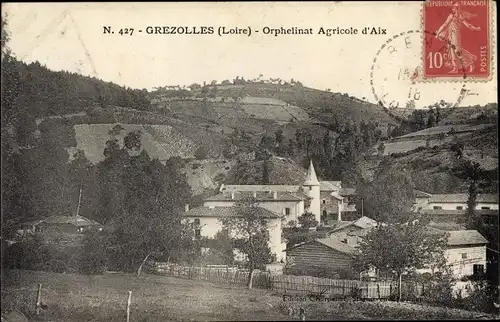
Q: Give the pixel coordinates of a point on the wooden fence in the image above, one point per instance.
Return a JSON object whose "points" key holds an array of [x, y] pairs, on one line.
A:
{"points": [[290, 284]]}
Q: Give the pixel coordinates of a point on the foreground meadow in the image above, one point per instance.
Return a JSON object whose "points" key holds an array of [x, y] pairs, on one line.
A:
{"points": [[69, 297]]}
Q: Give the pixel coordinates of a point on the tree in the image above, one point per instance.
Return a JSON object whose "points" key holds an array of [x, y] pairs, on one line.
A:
{"points": [[250, 231], [430, 119], [141, 200], [267, 143], [381, 148], [278, 136], [307, 220], [201, 153], [223, 245], [265, 172], [132, 141], [473, 174], [401, 249], [458, 148], [438, 113], [390, 196]]}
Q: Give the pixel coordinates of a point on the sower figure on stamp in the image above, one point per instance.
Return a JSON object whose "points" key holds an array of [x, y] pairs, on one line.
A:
{"points": [[450, 33]]}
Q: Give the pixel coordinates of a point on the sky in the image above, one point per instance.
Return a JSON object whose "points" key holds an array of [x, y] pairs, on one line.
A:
{"points": [[70, 37]]}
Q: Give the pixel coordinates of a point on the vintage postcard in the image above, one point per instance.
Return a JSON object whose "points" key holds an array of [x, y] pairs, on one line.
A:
{"points": [[234, 161]]}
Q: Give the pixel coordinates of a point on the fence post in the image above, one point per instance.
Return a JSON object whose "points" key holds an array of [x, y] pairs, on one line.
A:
{"points": [[129, 300], [251, 278], [38, 299]]}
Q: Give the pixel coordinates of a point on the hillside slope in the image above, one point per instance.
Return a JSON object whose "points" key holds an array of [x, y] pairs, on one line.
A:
{"points": [[436, 169], [259, 104]]}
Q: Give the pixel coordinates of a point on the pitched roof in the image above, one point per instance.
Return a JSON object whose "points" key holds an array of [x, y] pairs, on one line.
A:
{"points": [[363, 223], [462, 198], [255, 187], [78, 221], [459, 237], [348, 192], [421, 194], [466, 237], [218, 212], [259, 195], [31, 223], [337, 245], [443, 212], [311, 179], [330, 185], [445, 226], [336, 195]]}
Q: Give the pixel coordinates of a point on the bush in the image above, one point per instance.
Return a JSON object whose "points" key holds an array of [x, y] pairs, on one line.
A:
{"points": [[201, 153], [307, 220], [439, 291], [220, 177], [94, 254], [480, 298], [29, 254], [34, 253]]}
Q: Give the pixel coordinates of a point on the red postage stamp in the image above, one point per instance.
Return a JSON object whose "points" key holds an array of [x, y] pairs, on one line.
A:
{"points": [[457, 39]]}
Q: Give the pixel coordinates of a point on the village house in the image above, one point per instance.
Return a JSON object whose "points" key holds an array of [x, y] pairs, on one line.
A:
{"points": [[61, 224], [289, 200], [465, 252], [457, 201], [207, 222], [289, 204], [453, 207], [321, 198], [337, 203], [351, 232]]}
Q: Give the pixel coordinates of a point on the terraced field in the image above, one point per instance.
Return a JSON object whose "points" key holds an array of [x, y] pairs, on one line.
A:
{"points": [[160, 141]]}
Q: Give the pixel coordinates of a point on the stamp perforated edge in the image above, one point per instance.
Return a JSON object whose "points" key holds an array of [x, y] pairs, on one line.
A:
{"points": [[461, 79]]}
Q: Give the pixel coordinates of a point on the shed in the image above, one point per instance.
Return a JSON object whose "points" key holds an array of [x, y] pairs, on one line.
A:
{"points": [[67, 224], [325, 257]]}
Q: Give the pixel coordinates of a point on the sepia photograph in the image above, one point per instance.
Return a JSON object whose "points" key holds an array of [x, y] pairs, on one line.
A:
{"points": [[238, 161]]}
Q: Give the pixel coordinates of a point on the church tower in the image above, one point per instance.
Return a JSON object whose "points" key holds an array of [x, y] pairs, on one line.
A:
{"points": [[311, 188]]}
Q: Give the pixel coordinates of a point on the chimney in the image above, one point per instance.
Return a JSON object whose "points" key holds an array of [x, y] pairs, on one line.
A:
{"points": [[232, 195], [275, 195], [186, 207]]}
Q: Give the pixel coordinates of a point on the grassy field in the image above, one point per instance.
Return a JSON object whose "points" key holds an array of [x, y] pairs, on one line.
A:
{"points": [[103, 298]]}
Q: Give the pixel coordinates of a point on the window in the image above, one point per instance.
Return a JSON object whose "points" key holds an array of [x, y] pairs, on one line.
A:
{"points": [[310, 188], [437, 207], [197, 221], [197, 233], [344, 240], [460, 207], [464, 255], [478, 269], [485, 208], [287, 211], [324, 201]]}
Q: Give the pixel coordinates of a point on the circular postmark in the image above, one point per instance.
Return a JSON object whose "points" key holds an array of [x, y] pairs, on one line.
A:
{"points": [[396, 78]]}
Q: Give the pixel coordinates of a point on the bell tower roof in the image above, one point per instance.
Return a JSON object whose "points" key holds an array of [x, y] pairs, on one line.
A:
{"points": [[311, 179]]}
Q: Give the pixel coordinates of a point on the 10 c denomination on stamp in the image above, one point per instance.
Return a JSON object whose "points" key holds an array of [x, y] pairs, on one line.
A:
{"points": [[457, 39]]}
